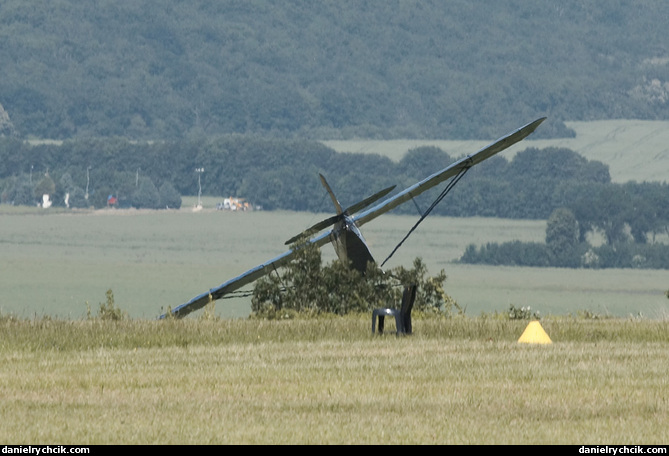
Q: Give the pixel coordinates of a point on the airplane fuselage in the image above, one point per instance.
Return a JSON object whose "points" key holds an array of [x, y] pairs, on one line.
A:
{"points": [[350, 245]]}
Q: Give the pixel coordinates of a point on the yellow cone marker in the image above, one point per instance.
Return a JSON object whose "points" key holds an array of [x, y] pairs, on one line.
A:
{"points": [[534, 334]]}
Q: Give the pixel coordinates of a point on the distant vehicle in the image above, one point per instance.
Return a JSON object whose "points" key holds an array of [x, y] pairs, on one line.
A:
{"points": [[234, 204], [46, 201], [345, 235]]}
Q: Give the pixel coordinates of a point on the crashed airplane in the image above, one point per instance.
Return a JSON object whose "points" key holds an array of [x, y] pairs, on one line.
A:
{"points": [[345, 234]]}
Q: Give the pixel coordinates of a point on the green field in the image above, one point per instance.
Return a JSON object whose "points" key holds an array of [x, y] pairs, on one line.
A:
{"points": [[55, 263], [634, 149]]}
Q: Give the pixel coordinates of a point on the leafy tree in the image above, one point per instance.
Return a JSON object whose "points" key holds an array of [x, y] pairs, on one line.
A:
{"points": [[6, 126], [146, 195], [45, 186], [649, 214], [605, 208], [562, 237], [556, 163], [420, 162], [66, 182], [98, 197], [72, 195], [77, 198], [125, 184], [169, 196], [20, 192]]}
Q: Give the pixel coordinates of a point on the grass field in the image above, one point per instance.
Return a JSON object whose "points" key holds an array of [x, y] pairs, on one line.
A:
{"points": [[457, 381], [55, 264]]}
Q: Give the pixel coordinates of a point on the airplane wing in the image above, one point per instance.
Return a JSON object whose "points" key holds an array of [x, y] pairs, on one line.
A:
{"points": [[240, 281], [467, 162], [259, 271]]}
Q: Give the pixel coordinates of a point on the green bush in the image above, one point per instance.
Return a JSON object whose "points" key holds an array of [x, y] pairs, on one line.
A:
{"points": [[169, 196], [308, 288], [108, 310], [146, 196], [522, 313]]}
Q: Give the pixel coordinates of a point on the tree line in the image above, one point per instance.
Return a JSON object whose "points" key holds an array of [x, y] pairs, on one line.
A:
{"points": [[283, 174], [564, 247]]}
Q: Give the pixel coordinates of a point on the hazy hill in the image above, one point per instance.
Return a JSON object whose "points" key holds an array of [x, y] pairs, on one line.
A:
{"points": [[328, 69]]}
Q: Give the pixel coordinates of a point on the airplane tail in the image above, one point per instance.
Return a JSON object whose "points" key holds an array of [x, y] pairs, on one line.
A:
{"points": [[340, 212]]}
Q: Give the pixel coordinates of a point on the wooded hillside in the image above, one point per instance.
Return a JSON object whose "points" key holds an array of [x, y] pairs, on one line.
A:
{"points": [[329, 69]]}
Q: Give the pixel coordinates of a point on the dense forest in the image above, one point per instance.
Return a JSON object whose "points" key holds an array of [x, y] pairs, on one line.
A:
{"points": [[454, 69]]}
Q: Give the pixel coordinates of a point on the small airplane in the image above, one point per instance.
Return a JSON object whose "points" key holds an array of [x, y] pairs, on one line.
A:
{"points": [[345, 235]]}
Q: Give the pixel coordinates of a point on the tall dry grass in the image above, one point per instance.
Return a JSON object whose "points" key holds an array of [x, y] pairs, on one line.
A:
{"points": [[455, 381]]}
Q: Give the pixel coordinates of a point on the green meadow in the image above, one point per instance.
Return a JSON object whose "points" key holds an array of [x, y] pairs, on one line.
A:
{"points": [[61, 263]]}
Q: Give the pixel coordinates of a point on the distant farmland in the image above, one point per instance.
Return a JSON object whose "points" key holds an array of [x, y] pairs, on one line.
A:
{"points": [[634, 149], [55, 264]]}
